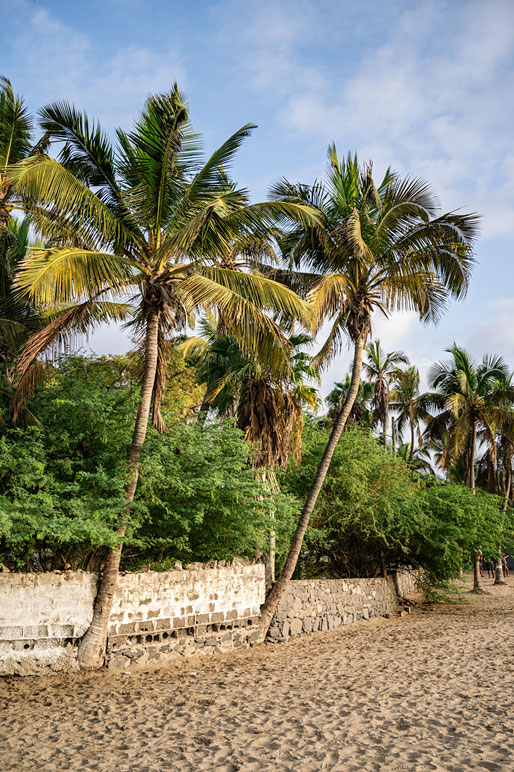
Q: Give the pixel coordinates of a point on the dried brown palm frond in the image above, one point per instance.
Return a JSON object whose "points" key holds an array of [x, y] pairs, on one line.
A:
{"points": [[267, 415]]}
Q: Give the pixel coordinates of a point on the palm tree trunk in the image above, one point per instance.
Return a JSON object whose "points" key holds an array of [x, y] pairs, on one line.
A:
{"points": [[472, 457], [270, 605], [476, 567], [385, 423], [92, 645], [393, 435], [412, 440]]}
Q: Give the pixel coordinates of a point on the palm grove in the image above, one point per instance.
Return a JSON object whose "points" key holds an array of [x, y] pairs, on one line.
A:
{"points": [[238, 459]]}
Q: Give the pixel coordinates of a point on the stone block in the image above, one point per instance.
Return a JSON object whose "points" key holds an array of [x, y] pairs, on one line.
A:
{"points": [[284, 629], [179, 622], [218, 616], [296, 626], [118, 662]]}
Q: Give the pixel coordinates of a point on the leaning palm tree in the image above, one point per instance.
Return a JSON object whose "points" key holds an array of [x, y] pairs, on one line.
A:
{"points": [[380, 368], [146, 221], [471, 399], [409, 405], [377, 248]]}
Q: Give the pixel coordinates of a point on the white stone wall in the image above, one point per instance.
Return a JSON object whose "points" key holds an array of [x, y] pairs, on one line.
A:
{"points": [[40, 616], [154, 615]]}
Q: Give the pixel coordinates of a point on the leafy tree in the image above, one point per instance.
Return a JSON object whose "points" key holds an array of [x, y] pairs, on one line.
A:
{"points": [[62, 483], [145, 217], [373, 510], [383, 248], [380, 368]]}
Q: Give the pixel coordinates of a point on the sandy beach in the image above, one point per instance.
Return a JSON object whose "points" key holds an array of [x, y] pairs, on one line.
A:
{"points": [[433, 690]]}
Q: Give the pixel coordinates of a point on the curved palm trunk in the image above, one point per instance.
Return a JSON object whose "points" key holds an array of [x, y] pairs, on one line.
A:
{"points": [[270, 605], [92, 646]]}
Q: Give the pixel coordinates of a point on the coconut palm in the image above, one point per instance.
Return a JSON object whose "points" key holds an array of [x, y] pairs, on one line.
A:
{"points": [[361, 412], [380, 367], [267, 402], [146, 217], [419, 461], [471, 403], [377, 248], [15, 144], [410, 406]]}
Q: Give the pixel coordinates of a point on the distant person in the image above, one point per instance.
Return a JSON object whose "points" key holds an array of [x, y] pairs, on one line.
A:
{"points": [[490, 565], [481, 565], [505, 566]]}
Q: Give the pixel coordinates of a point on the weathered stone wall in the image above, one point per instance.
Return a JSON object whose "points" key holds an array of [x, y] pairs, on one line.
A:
{"points": [[155, 615], [158, 615], [41, 617], [324, 604]]}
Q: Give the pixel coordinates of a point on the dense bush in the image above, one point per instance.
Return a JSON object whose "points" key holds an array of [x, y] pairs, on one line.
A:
{"points": [[372, 507], [62, 482]]}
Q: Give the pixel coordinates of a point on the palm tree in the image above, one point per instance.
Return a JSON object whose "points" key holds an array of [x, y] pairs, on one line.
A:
{"points": [[410, 405], [471, 402], [146, 217], [380, 368], [419, 461], [380, 248], [361, 412], [18, 317], [15, 144]]}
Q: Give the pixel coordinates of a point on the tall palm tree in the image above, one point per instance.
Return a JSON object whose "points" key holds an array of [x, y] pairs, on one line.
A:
{"points": [[471, 402], [382, 248], [147, 218], [380, 368], [410, 406]]}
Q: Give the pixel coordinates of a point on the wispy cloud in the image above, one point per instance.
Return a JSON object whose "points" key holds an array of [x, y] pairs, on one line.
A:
{"points": [[60, 62], [434, 98]]}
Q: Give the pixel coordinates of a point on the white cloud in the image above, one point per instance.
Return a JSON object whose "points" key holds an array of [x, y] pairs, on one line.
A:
{"points": [[434, 99], [61, 63]]}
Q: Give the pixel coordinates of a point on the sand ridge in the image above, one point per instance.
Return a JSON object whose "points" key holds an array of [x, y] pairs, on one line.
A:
{"points": [[430, 691]]}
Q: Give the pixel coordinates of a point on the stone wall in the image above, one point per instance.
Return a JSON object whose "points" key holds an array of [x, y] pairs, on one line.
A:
{"points": [[160, 615], [41, 617], [155, 615], [324, 604]]}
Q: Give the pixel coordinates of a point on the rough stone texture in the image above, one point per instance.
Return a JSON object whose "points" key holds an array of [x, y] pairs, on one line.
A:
{"points": [[41, 617], [155, 615], [324, 604]]}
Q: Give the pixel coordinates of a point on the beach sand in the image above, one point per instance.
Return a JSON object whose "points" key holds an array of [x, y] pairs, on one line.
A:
{"points": [[433, 690]]}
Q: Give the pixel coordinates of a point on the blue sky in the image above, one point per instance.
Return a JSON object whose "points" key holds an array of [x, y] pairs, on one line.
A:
{"points": [[426, 87]]}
